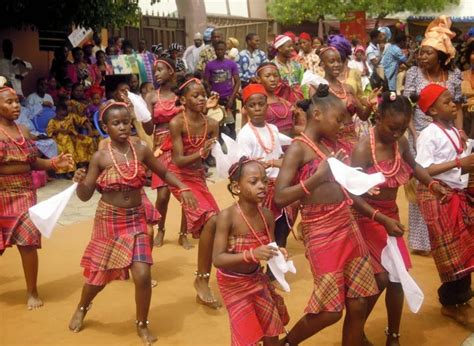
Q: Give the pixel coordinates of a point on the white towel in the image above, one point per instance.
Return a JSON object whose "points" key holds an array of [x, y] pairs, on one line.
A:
{"points": [[139, 106], [279, 267], [45, 214], [352, 179], [392, 261]]}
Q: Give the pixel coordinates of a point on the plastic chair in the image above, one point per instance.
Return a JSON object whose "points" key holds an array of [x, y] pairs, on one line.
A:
{"points": [[42, 119], [95, 119]]}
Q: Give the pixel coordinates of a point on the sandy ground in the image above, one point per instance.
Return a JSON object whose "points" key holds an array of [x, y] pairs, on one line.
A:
{"points": [[174, 315]]}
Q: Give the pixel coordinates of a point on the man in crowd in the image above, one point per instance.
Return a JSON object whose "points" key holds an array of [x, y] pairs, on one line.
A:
{"points": [[191, 54], [12, 68], [208, 53], [249, 59]]}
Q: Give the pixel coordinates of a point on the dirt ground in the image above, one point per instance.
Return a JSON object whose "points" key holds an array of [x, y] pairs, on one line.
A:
{"points": [[174, 315]]}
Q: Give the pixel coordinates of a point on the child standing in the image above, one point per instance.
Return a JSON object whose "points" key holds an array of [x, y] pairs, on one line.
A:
{"points": [[63, 129], [244, 230], [193, 136], [18, 158], [259, 140], [162, 105], [339, 259], [222, 75], [386, 150], [450, 225], [119, 240]]}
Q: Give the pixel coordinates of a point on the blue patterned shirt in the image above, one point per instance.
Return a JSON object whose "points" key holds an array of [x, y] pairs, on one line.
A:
{"points": [[249, 62]]}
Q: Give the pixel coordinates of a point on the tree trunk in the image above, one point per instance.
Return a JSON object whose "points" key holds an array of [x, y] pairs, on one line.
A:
{"points": [[194, 13]]}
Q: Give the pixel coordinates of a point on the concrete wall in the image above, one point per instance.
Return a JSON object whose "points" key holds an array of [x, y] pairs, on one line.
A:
{"points": [[26, 46]]}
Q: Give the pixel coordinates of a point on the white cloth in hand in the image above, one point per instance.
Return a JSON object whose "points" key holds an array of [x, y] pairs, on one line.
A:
{"points": [[139, 106], [279, 267], [392, 261], [352, 179], [45, 214]]}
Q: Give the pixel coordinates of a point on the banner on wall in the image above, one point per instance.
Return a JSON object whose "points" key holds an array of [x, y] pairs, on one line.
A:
{"points": [[353, 26]]}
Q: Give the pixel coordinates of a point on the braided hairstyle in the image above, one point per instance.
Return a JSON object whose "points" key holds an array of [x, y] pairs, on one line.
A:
{"points": [[109, 107], [235, 172], [396, 104], [322, 99], [183, 84]]}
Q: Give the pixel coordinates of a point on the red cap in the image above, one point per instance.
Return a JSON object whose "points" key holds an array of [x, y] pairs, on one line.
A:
{"points": [[252, 89], [305, 36], [291, 35], [429, 95]]}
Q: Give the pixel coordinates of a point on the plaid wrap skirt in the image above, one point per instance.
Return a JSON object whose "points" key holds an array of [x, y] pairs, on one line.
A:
{"points": [[338, 257], [17, 194], [451, 232], [119, 237], [152, 215], [255, 309]]}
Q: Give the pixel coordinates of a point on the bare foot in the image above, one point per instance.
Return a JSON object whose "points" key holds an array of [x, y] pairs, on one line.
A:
{"points": [[204, 294], [33, 302], [154, 283], [158, 241], [366, 341], [462, 314], [184, 242], [77, 319], [146, 336]]}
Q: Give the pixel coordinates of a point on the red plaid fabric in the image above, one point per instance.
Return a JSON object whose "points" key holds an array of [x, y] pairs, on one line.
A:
{"points": [[16, 196], [119, 238], [451, 231], [11, 152], [161, 140], [338, 257], [151, 213], [375, 235], [348, 134], [269, 202], [255, 309]]}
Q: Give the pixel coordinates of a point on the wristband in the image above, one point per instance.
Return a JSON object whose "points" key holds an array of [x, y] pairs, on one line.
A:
{"points": [[430, 186], [246, 260], [458, 162], [254, 259], [305, 190], [373, 214], [183, 190], [53, 164]]}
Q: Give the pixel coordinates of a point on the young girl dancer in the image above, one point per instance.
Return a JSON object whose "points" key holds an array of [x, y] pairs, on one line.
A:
{"points": [[339, 259], [280, 112], [193, 135], [244, 230], [119, 240], [450, 225], [18, 158], [162, 105], [260, 141], [333, 67], [386, 150]]}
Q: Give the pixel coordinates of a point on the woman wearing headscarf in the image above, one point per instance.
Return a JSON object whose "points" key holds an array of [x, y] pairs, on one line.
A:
{"points": [[384, 38], [434, 66]]}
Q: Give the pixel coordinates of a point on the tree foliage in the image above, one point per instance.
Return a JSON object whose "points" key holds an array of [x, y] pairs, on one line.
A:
{"points": [[61, 14], [297, 11]]}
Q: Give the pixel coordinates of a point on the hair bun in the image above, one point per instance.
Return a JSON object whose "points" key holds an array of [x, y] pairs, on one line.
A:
{"points": [[387, 96], [414, 98], [304, 104], [323, 90], [3, 81]]}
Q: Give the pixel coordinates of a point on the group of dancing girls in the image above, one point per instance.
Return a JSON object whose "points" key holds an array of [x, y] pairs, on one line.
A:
{"points": [[343, 234]]}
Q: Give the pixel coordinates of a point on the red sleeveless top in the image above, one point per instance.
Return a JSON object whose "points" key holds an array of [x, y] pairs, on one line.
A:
{"points": [[110, 179]]}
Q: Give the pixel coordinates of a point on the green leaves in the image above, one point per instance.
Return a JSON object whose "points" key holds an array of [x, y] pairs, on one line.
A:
{"points": [[297, 11]]}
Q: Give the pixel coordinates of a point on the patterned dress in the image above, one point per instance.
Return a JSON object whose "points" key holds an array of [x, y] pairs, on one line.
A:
{"points": [[415, 81]]}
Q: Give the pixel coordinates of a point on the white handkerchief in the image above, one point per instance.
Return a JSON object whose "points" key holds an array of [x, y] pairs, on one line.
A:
{"points": [[309, 78], [45, 214], [279, 267], [139, 106], [352, 179], [392, 261]]}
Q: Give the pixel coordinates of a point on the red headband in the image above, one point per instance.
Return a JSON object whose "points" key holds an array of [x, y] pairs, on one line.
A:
{"points": [[429, 95], [252, 89], [188, 82], [325, 50], [164, 62], [5, 88], [305, 36], [111, 104], [260, 68]]}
